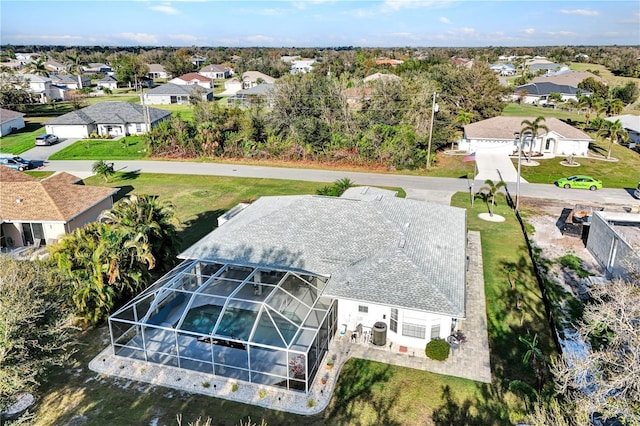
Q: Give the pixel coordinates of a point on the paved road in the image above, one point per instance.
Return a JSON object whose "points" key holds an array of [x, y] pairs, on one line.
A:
{"points": [[418, 187], [41, 153]]}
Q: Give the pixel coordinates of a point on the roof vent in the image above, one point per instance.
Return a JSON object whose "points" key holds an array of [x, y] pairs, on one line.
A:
{"points": [[18, 200], [379, 197], [364, 189], [402, 242]]}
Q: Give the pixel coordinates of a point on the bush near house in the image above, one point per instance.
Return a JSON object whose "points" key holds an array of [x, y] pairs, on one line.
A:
{"points": [[437, 349]]}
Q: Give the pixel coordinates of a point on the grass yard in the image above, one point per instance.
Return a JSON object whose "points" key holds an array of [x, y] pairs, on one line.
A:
{"points": [[526, 110], [24, 139], [367, 393], [128, 148]]}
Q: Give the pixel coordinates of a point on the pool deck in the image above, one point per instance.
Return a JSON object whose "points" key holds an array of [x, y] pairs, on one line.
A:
{"points": [[470, 360]]}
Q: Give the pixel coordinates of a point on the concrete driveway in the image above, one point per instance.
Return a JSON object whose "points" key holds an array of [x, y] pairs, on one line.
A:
{"points": [[42, 153], [490, 164]]}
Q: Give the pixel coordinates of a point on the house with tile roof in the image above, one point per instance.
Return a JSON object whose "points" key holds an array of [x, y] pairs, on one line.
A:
{"points": [[270, 288], [538, 93], [170, 93], [382, 76], [192, 78], [157, 71], [497, 135], [630, 123], [39, 212], [253, 78], [107, 82], [10, 121], [216, 72], [73, 82], [41, 87], [106, 118], [567, 78]]}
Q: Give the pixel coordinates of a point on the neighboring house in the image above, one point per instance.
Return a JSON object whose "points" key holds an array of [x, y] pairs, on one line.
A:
{"points": [[55, 66], [261, 298], [504, 70], [12, 65], [538, 93], [462, 62], [383, 77], [496, 135], [216, 72], [231, 87], [25, 58], [42, 88], [198, 60], [174, 94], [253, 78], [535, 65], [97, 68], [106, 118], [73, 82], [387, 61], [107, 82], [38, 212], [567, 78], [157, 71], [302, 66], [631, 123], [252, 96], [289, 59], [614, 241], [10, 121], [191, 79]]}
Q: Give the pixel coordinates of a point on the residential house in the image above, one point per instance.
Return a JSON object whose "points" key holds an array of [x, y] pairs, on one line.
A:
{"points": [[107, 82], [535, 65], [538, 93], [106, 118], [97, 68], [253, 78], [289, 59], [38, 212], [630, 123], [383, 77], [191, 79], [503, 69], [10, 121], [216, 72], [12, 65], [231, 87], [387, 61], [157, 71], [73, 82], [302, 66], [42, 88], [496, 135], [614, 241], [170, 93], [261, 298], [254, 95], [55, 66], [198, 60], [567, 78], [462, 62], [25, 58]]}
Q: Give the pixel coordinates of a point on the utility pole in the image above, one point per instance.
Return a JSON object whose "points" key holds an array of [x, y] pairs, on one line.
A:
{"points": [[434, 108]]}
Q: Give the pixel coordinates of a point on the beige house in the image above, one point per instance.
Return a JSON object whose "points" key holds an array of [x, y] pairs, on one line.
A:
{"points": [[38, 212]]}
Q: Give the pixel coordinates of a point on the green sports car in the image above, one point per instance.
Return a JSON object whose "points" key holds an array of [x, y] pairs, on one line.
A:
{"points": [[579, 181]]}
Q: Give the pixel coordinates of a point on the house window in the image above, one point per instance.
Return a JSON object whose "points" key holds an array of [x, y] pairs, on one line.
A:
{"points": [[413, 330], [363, 309], [393, 321], [138, 127], [435, 331]]}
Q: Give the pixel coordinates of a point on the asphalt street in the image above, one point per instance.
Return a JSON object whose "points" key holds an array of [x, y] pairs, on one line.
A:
{"points": [[418, 187]]}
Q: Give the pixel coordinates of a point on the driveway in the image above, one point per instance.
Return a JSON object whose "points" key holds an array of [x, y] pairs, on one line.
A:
{"points": [[42, 153], [493, 166]]}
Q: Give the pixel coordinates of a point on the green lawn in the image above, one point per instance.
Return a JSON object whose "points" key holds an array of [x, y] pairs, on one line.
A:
{"points": [[526, 110], [23, 139], [367, 393], [128, 148]]}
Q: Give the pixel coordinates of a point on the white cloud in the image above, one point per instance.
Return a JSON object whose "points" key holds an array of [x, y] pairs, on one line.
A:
{"points": [[530, 30], [141, 38], [271, 12], [445, 20], [467, 30], [187, 38], [395, 5], [165, 8], [561, 33], [583, 12]]}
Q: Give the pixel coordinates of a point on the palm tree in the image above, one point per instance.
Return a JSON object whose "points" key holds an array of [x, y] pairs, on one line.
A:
{"points": [[103, 169], [38, 67], [614, 106], [144, 219], [614, 131], [532, 127], [488, 193], [585, 102], [534, 357]]}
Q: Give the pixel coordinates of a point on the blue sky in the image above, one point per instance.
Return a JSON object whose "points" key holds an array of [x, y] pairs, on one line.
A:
{"points": [[320, 23]]}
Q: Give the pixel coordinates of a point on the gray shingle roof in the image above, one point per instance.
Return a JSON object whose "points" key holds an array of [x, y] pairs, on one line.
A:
{"points": [[391, 251], [175, 89], [546, 88], [110, 113], [8, 115]]}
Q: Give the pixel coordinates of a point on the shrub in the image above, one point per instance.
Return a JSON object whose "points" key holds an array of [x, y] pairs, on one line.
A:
{"points": [[234, 387], [311, 403], [437, 349], [262, 393], [206, 385]]}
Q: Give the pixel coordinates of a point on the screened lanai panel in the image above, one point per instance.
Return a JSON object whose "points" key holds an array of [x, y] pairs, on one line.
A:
{"points": [[257, 292], [303, 340], [168, 307], [193, 347], [202, 314], [164, 280], [285, 326], [238, 319], [267, 277], [288, 306], [221, 287], [300, 288], [268, 360], [315, 318], [267, 333], [236, 272]]}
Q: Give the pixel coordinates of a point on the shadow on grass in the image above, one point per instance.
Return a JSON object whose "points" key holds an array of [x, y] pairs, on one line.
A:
{"points": [[485, 410], [197, 228], [357, 386], [132, 175]]}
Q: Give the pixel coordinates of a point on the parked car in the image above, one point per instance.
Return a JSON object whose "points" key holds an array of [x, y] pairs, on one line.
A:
{"points": [[636, 193], [17, 163], [46, 139], [579, 181]]}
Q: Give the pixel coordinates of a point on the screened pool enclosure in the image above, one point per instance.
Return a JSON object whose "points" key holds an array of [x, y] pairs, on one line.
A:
{"points": [[264, 326]]}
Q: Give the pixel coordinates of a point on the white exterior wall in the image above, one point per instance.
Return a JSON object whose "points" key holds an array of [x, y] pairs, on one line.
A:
{"points": [[70, 131], [7, 126], [491, 146], [166, 99], [348, 313], [52, 231]]}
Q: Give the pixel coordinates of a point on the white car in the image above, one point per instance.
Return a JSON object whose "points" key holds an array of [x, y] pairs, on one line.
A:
{"points": [[46, 139]]}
